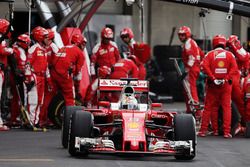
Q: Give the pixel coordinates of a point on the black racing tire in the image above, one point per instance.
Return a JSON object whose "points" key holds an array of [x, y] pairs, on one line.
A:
{"points": [[81, 125], [66, 121], [184, 129], [56, 109]]}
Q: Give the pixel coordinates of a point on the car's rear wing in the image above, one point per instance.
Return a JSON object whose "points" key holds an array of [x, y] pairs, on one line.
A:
{"points": [[117, 85]]}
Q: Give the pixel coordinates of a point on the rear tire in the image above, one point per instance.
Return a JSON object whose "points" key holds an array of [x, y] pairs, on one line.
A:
{"points": [[66, 123], [81, 125], [56, 109], [184, 129]]}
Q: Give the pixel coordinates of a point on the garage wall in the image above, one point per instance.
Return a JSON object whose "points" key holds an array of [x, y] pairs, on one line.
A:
{"points": [[216, 23], [244, 24], [166, 15], [4, 10]]}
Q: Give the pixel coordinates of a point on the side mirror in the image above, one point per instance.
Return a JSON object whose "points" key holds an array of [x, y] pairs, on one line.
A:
{"points": [[156, 105], [104, 104]]}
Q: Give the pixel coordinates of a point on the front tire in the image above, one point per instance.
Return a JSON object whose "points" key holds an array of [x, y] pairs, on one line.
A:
{"points": [[81, 125], [184, 129], [66, 123]]}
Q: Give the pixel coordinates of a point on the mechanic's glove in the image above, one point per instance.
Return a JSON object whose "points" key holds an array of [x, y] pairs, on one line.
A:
{"points": [[50, 85], [77, 88], [19, 73], [230, 81], [219, 81], [244, 72], [183, 76], [92, 69], [30, 85], [70, 71], [1, 66]]}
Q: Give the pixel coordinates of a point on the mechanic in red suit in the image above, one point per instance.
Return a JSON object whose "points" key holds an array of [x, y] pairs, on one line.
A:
{"points": [[5, 51], [242, 59], [246, 93], [105, 53], [37, 58], [51, 50], [220, 67], [80, 41], [141, 68], [103, 72], [17, 76], [127, 37], [124, 68], [191, 60], [66, 67]]}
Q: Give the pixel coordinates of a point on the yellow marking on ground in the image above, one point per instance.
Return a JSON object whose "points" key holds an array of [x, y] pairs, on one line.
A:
{"points": [[25, 160]]}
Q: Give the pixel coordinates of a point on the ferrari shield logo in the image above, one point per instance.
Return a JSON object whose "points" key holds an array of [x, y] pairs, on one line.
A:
{"points": [[133, 125], [221, 64]]}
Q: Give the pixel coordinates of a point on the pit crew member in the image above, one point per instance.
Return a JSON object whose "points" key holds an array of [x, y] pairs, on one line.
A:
{"points": [[19, 58], [5, 51], [105, 53], [220, 66], [242, 59], [37, 59], [124, 68], [66, 65], [191, 60]]}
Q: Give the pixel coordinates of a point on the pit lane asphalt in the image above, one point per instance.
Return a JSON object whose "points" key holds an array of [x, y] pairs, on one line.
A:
{"points": [[20, 148]]}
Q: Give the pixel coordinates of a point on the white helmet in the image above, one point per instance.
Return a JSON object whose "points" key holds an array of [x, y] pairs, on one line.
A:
{"points": [[128, 100]]}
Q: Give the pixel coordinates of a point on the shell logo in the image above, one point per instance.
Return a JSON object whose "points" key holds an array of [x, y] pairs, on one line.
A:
{"points": [[133, 125], [221, 64]]}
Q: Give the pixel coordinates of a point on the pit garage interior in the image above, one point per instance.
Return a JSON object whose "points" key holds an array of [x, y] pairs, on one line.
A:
{"points": [[159, 21]]}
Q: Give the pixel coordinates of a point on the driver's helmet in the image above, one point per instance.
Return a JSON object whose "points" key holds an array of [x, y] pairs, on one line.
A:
{"points": [[128, 100]]}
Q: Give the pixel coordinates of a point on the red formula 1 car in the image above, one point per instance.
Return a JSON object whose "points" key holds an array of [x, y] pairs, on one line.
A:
{"points": [[131, 125]]}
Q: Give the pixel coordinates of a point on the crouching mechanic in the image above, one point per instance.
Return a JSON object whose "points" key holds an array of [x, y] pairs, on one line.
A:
{"points": [[220, 66], [5, 51], [141, 68], [124, 68], [66, 63], [90, 100]]}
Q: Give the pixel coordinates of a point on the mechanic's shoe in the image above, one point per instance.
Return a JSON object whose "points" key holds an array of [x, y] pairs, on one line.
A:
{"points": [[215, 133], [4, 128], [227, 136], [201, 134], [15, 124], [28, 127], [237, 130], [38, 128]]}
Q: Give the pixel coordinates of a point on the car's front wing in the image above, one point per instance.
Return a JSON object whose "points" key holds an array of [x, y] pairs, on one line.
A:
{"points": [[98, 145]]}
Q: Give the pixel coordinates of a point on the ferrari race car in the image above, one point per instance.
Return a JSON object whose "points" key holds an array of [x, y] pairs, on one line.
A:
{"points": [[131, 125]]}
